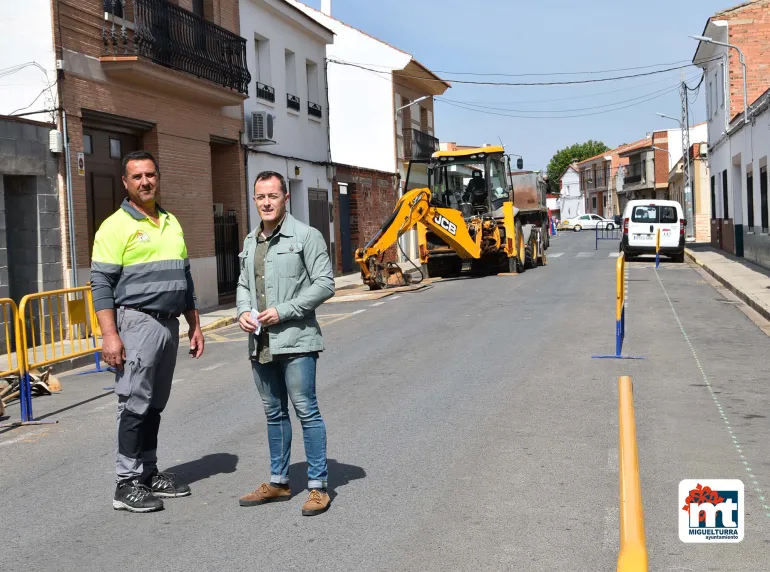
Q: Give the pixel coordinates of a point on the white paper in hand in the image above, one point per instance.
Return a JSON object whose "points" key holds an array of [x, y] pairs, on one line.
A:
{"points": [[254, 319]]}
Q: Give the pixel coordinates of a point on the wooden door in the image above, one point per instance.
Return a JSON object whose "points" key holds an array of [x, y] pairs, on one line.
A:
{"points": [[104, 151]]}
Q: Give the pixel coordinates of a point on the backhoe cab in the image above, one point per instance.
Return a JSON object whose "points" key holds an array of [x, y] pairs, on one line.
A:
{"points": [[465, 217]]}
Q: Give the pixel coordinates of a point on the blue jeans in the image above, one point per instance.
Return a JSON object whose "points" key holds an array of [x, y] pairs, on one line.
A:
{"points": [[277, 382]]}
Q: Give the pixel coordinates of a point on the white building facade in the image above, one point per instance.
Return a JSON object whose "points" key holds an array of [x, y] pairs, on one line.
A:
{"points": [[571, 201], [369, 80], [287, 113], [738, 150]]}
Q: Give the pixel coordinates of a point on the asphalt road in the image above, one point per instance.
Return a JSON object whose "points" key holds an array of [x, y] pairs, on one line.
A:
{"points": [[469, 429]]}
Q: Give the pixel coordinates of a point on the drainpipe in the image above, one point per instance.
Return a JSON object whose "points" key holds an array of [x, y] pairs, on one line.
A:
{"points": [[70, 215]]}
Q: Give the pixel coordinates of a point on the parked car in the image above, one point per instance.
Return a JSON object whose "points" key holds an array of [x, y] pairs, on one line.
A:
{"points": [[642, 219], [589, 221]]}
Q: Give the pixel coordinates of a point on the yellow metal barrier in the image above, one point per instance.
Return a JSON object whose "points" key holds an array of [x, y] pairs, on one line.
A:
{"points": [[620, 280], [11, 364], [45, 337], [633, 547]]}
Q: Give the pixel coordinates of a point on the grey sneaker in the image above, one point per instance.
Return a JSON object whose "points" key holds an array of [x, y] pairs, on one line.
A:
{"points": [[165, 485], [135, 497]]}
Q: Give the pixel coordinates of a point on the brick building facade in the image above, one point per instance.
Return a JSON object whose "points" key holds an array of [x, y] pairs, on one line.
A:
{"points": [[748, 27], [126, 85], [363, 201], [738, 140]]}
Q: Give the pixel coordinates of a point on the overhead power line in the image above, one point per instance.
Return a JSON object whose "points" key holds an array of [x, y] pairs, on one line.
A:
{"points": [[539, 74], [584, 96], [670, 90], [659, 91], [519, 84], [389, 78]]}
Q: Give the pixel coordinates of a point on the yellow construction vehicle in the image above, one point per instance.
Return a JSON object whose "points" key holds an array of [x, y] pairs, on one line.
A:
{"points": [[466, 216]]}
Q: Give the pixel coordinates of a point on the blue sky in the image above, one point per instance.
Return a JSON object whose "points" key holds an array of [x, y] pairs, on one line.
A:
{"points": [[518, 37]]}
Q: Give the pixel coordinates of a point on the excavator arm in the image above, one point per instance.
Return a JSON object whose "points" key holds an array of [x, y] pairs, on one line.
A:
{"points": [[413, 207]]}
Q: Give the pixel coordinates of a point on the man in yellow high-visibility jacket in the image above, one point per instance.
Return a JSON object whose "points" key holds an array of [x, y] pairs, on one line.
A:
{"points": [[141, 284]]}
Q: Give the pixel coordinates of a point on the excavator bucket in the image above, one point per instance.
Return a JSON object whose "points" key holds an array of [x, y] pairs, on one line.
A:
{"points": [[388, 275]]}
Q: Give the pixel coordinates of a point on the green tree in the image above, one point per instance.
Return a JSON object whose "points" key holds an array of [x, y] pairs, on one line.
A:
{"points": [[563, 157]]}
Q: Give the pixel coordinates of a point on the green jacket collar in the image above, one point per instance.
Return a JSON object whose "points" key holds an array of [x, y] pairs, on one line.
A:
{"points": [[287, 228]]}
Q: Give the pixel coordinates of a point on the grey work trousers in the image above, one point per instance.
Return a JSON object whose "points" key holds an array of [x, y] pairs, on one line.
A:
{"points": [[143, 388]]}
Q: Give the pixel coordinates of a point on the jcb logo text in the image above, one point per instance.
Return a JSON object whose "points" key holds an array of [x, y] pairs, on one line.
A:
{"points": [[442, 221]]}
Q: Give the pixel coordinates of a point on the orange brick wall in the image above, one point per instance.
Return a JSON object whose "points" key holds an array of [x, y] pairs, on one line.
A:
{"points": [[186, 189], [749, 29], [227, 178], [181, 143], [660, 139], [372, 198]]}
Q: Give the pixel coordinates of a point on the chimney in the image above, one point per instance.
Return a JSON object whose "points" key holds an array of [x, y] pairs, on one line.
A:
{"points": [[326, 7]]}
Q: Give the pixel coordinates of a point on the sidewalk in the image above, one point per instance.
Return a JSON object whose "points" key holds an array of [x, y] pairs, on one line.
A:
{"points": [[751, 283]]}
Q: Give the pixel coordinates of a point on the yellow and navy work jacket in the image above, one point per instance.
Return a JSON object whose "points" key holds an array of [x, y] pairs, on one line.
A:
{"points": [[136, 263]]}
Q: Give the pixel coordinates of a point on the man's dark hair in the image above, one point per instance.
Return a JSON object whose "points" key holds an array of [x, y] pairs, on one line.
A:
{"points": [[267, 175], [139, 156]]}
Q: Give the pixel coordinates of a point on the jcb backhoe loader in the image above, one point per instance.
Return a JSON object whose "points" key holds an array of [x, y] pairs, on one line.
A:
{"points": [[466, 214]]}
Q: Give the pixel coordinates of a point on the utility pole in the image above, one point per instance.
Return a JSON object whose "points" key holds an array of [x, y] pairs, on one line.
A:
{"points": [[688, 194]]}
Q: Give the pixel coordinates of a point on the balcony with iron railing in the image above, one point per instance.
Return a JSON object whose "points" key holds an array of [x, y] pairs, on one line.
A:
{"points": [[293, 102], [634, 173], [141, 37], [418, 144], [314, 110], [265, 92]]}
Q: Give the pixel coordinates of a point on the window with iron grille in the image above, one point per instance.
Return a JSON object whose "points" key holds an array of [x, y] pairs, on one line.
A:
{"points": [[292, 102], [725, 206]]}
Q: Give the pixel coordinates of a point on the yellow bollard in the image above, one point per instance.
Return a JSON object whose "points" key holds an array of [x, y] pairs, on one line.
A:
{"points": [[633, 547]]}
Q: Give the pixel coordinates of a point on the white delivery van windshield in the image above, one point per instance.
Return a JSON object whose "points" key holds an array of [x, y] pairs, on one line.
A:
{"points": [[654, 214]]}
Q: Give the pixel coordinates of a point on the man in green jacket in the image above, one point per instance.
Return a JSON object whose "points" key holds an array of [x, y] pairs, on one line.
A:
{"points": [[285, 275]]}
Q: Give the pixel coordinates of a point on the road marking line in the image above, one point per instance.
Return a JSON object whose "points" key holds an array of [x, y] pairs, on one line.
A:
{"points": [[22, 437], [395, 297], [173, 381], [613, 255], [613, 462], [212, 367], [216, 337], [585, 255], [556, 255], [376, 304], [611, 531], [342, 317], [738, 446]]}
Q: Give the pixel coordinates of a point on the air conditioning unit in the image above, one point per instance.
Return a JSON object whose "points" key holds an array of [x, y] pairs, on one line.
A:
{"points": [[262, 127], [219, 208]]}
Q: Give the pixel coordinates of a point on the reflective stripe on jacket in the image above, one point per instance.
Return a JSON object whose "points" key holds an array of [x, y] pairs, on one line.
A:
{"points": [[136, 263]]}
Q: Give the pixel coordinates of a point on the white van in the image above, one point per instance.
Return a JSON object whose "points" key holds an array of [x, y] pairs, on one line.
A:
{"points": [[641, 221]]}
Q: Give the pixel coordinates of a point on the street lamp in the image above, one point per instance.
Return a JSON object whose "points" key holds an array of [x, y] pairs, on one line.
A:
{"points": [[672, 118], [416, 101], [662, 149], [688, 179], [708, 40]]}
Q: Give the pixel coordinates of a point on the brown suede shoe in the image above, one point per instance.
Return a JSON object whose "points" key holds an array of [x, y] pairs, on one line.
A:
{"points": [[317, 502], [264, 494]]}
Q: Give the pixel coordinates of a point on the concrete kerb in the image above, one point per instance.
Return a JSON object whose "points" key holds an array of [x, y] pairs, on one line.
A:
{"points": [[749, 300]]}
